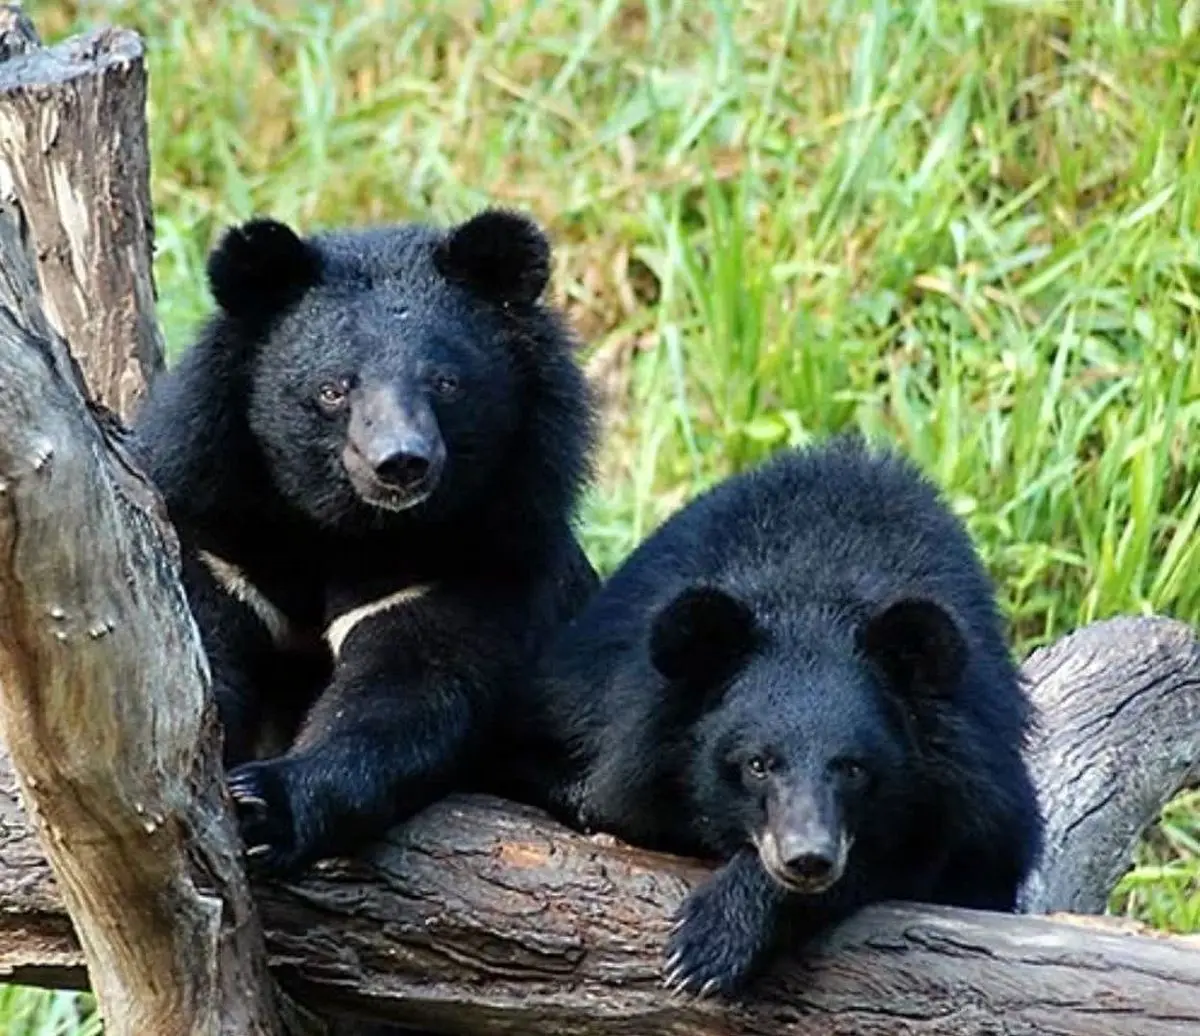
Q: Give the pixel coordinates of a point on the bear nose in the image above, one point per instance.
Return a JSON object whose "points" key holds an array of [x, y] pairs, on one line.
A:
{"points": [[810, 866], [402, 469]]}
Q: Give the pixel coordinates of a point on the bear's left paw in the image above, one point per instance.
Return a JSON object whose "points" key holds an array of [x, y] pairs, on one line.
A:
{"points": [[711, 949], [264, 814]]}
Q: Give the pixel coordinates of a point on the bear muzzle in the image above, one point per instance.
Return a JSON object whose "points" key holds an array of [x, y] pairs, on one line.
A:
{"points": [[394, 481], [804, 847], [394, 455]]}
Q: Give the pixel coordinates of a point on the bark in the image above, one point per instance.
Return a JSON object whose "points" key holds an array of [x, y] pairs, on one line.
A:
{"points": [[74, 166]]}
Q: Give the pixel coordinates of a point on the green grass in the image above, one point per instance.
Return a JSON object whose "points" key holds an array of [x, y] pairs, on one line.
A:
{"points": [[33, 1012], [967, 227]]}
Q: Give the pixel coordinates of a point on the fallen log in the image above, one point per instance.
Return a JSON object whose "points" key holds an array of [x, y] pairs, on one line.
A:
{"points": [[478, 916]]}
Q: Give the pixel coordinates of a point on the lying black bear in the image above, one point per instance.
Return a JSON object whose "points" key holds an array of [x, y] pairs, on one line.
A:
{"points": [[802, 674], [372, 454]]}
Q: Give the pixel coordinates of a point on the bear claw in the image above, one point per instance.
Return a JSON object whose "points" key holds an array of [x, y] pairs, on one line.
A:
{"points": [[712, 947], [260, 797], [675, 987], [243, 791], [245, 799]]}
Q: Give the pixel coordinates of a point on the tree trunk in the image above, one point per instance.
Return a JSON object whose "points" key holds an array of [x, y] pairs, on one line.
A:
{"points": [[103, 681], [476, 917], [73, 155]]}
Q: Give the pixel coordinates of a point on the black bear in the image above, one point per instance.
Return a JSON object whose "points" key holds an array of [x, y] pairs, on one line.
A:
{"points": [[372, 454], [802, 674]]}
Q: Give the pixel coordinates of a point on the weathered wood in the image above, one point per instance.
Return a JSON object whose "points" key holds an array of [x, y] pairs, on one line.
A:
{"points": [[482, 917], [103, 683], [102, 695], [74, 170], [1105, 763], [18, 35]]}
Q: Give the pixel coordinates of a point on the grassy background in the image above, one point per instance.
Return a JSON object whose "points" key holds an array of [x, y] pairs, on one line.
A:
{"points": [[969, 227]]}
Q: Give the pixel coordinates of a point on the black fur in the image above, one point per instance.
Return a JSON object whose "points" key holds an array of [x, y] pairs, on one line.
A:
{"points": [[260, 268], [351, 423], [806, 660], [502, 258]]}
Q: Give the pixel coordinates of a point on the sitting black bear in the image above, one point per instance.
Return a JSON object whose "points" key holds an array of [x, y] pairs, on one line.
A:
{"points": [[372, 454]]}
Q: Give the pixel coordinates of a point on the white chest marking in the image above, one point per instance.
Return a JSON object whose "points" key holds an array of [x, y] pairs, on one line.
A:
{"points": [[233, 580], [340, 628]]}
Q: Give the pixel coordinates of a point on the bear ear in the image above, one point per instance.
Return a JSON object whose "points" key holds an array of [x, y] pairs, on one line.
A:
{"points": [[702, 636], [918, 645], [500, 255], [260, 268]]}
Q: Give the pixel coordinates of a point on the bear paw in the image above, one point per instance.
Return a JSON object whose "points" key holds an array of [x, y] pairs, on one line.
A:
{"points": [[264, 813], [711, 949]]}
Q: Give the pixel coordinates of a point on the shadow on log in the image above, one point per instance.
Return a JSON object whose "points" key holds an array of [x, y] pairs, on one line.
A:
{"points": [[476, 917]]}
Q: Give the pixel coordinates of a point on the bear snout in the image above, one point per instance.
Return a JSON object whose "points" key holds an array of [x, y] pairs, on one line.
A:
{"points": [[394, 453], [804, 847], [405, 468], [396, 480]]}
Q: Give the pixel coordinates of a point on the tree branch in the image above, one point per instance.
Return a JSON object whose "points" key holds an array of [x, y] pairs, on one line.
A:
{"points": [[1106, 763]]}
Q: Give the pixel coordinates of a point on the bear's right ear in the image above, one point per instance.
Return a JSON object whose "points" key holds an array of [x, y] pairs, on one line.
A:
{"points": [[501, 255], [702, 636], [918, 645], [260, 268]]}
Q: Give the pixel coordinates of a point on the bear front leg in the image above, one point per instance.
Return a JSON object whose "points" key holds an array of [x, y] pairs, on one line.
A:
{"points": [[725, 929], [387, 737], [239, 649], [728, 928], [375, 755]]}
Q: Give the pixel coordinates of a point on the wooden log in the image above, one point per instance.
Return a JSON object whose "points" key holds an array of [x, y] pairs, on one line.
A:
{"points": [[1105, 763], [484, 917]]}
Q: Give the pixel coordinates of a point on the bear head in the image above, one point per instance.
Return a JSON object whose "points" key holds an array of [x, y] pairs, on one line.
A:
{"points": [[807, 723], [387, 368]]}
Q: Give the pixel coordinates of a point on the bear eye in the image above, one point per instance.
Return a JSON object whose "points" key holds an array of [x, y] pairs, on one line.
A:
{"points": [[758, 767], [332, 394], [851, 769], [445, 383]]}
